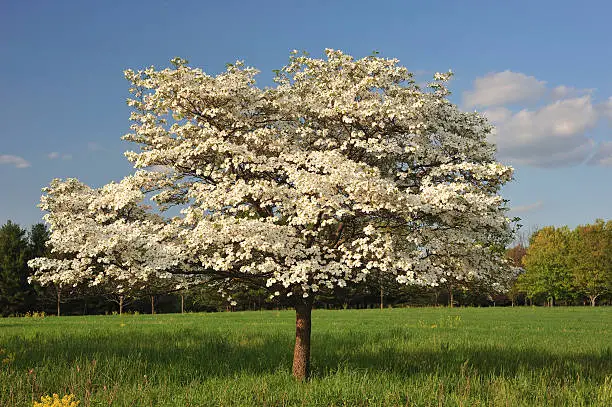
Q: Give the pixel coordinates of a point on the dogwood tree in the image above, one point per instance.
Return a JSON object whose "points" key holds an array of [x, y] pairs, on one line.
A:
{"points": [[343, 169]]}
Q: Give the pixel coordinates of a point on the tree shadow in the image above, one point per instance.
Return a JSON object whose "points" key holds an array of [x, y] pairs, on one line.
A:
{"points": [[476, 358], [184, 355]]}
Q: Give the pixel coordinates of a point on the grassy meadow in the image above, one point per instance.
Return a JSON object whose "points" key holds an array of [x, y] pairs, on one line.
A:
{"points": [[393, 357]]}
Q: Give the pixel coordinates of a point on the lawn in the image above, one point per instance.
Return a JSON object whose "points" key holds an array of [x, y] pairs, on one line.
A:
{"points": [[393, 357]]}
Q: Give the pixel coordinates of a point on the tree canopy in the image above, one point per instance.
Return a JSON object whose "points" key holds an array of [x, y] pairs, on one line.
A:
{"points": [[561, 263], [590, 259], [16, 248]]}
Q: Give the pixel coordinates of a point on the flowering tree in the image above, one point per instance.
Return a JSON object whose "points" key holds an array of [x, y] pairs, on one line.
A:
{"points": [[343, 169]]}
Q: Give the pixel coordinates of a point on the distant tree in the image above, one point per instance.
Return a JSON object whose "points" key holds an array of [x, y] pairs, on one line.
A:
{"points": [[55, 292], [546, 265], [122, 298], [15, 293], [206, 298], [515, 255], [590, 259], [456, 275], [38, 240], [451, 284]]}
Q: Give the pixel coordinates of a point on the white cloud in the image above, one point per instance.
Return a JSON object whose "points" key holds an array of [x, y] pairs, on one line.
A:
{"points": [[606, 109], [527, 208], [18, 162], [564, 92], [603, 156], [502, 88], [564, 118], [498, 114], [551, 136], [553, 133], [544, 155], [55, 155]]}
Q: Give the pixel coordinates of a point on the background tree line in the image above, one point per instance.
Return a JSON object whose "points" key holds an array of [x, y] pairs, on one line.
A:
{"points": [[559, 266], [564, 266]]}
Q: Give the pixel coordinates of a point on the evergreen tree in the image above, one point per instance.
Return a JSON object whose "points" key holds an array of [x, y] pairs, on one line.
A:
{"points": [[38, 238], [15, 293]]}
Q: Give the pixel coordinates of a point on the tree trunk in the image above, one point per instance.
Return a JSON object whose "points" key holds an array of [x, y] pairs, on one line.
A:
{"points": [[182, 303], [152, 305], [593, 298], [382, 298], [301, 352], [120, 304], [451, 298], [59, 295]]}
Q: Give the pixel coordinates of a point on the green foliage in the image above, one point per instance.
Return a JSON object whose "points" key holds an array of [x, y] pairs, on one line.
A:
{"points": [[518, 356], [547, 274], [15, 293], [564, 264], [38, 238], [590, 259]]}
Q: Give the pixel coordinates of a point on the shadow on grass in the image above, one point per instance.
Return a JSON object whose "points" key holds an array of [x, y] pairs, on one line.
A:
{"points": [[184, 355]]}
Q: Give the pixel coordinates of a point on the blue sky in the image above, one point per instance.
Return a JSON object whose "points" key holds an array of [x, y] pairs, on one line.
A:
{"points": [[540, 70]]}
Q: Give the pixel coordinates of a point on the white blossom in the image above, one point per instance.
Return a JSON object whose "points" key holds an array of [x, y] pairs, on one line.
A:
{"points": [[343, 168]]}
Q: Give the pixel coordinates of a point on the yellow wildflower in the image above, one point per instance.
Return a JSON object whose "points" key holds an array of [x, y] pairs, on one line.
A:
{"points": [[55, 401]]}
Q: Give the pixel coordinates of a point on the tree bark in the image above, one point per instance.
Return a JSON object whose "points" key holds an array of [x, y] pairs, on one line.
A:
{"points": [[382, 298], [120, 304], [152, 305], [593, 298], [301, 352], [451, 298], [182, 303], [59, 291]]}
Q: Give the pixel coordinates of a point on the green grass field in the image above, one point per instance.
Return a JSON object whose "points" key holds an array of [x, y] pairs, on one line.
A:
{"points": [[391, 357]]}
